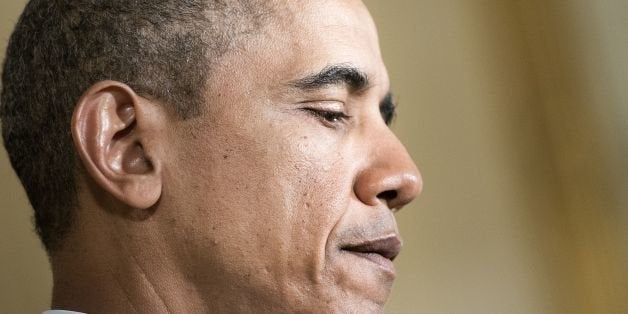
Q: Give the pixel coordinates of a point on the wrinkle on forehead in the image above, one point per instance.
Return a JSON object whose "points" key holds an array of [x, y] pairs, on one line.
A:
{"points": [[344, 23], [304, 37], [323, 13]]}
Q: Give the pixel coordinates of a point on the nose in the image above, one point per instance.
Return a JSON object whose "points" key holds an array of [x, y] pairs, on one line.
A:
{"points": [[389, 175]]}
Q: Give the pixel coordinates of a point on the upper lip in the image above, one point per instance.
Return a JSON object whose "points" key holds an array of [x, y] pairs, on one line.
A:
{"points": [[388, 247]]}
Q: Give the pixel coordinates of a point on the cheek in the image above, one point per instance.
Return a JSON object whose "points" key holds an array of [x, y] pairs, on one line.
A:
{"points": [[262, 205], [316, 178]]}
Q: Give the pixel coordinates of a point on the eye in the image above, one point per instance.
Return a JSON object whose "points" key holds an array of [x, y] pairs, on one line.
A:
{"points": [[329, 117], [387, 109]]}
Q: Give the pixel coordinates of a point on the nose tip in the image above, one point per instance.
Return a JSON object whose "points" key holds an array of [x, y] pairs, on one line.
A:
{"points": [[401, 190], [393, 187]]}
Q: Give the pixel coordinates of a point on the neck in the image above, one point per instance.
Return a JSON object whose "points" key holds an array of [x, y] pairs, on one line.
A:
{"points": [[100, 284], [110, 265], [96, 272]]}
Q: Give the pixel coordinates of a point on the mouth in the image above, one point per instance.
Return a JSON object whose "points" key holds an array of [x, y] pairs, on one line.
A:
{"points": [[382, 251]]}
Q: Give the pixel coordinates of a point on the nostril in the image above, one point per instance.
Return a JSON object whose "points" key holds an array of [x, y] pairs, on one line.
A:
{"points": [[388, 195], [389, 186]]}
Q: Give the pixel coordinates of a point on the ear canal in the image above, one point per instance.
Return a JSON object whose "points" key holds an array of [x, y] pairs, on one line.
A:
{"points": [[135, 161]]}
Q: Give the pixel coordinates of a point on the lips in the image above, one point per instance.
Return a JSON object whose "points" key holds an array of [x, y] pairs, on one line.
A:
{"points": [[388, 247], [381, 251]]}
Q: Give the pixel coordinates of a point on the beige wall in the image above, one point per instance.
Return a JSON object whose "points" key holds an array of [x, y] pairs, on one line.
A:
{"points": [[516, 114]]}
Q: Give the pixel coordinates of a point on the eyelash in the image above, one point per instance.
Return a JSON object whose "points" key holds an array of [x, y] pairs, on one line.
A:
{"points": [[330, 118]]}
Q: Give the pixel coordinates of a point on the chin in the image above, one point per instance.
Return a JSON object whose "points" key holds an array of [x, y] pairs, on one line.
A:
{"points": [[358, 305], [343, 293], [363, 281], [356, 285]]}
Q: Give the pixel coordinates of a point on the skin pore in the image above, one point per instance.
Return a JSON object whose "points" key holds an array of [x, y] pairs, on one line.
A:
{"points": [[278, 198]]}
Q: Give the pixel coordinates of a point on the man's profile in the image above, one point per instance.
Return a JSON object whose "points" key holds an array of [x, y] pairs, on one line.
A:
{"points": [[199, 156]]}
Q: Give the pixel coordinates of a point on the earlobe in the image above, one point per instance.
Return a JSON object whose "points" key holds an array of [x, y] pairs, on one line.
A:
{"points": [[110, 135]]}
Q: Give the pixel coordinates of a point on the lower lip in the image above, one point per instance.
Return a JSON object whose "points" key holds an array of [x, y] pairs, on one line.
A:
{"points": [[383, 263]]}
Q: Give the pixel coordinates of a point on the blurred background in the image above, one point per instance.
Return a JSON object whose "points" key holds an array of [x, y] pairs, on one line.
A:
{"points": [[517, 115]]}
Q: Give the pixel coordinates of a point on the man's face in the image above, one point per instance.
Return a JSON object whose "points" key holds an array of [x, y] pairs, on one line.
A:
{"points": [[281, 196]]}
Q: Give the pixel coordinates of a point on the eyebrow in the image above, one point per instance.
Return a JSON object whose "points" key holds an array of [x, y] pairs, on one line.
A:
{"points": [[334, 75]]}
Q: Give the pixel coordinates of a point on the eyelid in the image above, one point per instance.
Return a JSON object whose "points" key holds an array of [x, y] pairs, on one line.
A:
{"points": [[326, 111], [330, 105], [331, 119]]}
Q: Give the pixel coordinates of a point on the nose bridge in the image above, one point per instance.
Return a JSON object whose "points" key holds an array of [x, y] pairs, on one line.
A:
{"points": [[390, 175]]}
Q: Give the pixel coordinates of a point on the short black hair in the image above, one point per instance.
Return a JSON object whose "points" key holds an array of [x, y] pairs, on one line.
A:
{"points": [[163, 49]]}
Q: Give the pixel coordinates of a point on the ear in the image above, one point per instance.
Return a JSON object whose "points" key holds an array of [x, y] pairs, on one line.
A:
{"points": [[110, 127]]}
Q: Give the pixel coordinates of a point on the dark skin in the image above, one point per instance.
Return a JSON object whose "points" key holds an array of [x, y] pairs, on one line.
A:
{"points": [[279, 198]]}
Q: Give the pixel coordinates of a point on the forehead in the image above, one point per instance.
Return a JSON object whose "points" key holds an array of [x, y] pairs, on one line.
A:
{"points": [[305, 36]]}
